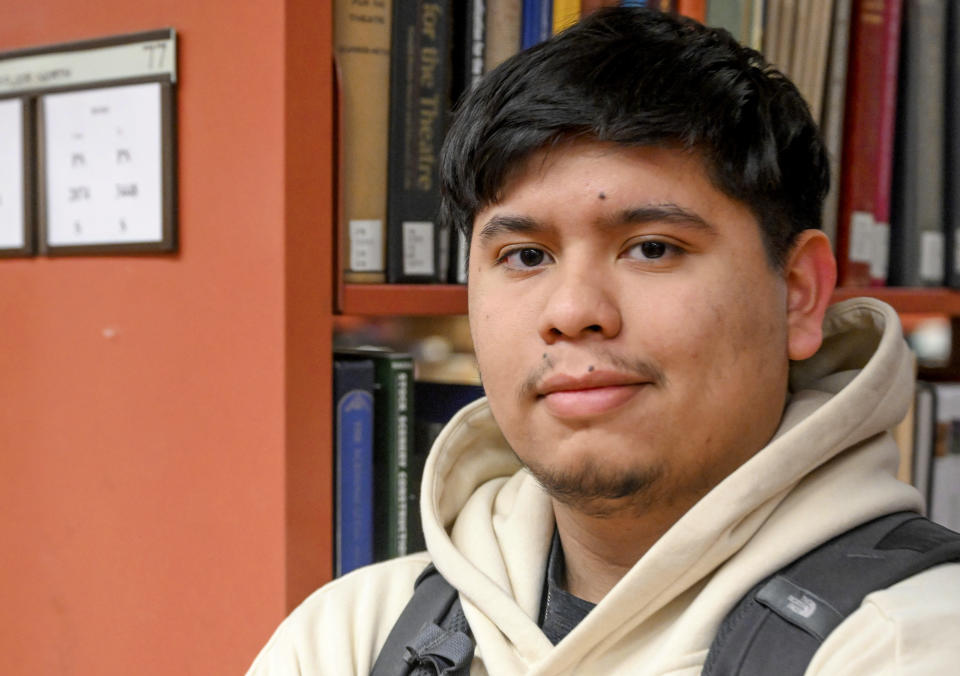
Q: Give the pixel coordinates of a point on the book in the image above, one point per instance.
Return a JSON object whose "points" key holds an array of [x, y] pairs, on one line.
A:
{"points": [[944, 505], [434, 405], [694, 9], [952, 150], [590, 6], [916, 204], [353, 457], [469, 45], [565, 13], [420, 82], [537, 22], [742, 18], [362, 54], [393, 439], [833, 108], [503, 24], [924, 437], [863, 231]]}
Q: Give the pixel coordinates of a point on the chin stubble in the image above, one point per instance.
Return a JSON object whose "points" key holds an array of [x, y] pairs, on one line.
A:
{"points": [[599, 490]]}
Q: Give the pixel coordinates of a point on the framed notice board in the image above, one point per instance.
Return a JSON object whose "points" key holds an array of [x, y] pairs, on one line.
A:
{"points": [[100, 139], [16, 178]]}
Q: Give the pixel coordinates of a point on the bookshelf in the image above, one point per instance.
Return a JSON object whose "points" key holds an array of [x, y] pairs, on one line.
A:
{"points": [[377, 300], [385, 300]]}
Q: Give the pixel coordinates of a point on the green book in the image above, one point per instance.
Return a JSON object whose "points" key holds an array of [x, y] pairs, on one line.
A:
{"points": [[392, 444]]}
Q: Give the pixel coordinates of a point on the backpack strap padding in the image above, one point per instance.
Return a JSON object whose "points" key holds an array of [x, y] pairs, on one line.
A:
{"points": [[431, 601], [779, 625]]}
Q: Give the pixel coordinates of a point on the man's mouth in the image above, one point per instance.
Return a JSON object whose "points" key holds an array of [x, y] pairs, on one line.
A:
{"points": [[589, 395]]}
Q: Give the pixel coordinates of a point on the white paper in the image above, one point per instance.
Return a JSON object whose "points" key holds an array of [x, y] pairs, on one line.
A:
{"points": [[11, 174], [103, 166]]}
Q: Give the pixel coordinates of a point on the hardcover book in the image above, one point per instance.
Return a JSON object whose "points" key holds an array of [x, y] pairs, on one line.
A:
{"points": [[435, 404], [393, 440], [503, 23], [420, 82], [917, 212], [537, 24], [362, 53], [952, 150], [353, 458], [863, 227]]}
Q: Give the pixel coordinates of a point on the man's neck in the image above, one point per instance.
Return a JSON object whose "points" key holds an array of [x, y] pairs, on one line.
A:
{"points": [[599, 550]]}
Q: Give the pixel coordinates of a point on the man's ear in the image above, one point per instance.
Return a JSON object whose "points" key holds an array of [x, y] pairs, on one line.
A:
{"points": [[811, 275]]}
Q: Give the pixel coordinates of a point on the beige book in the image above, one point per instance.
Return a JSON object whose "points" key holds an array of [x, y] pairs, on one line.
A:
{"points": [[362, 52], [504, 21]]}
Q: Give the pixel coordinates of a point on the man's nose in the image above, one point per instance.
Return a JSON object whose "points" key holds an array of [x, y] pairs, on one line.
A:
{"points": [[580, 304]]}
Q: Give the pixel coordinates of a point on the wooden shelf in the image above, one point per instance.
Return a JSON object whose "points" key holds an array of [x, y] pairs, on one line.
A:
{"points": [[909, 300], [404, 299], [385, 300]]}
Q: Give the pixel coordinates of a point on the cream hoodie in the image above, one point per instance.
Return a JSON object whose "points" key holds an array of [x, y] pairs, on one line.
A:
{"points": [[488, 527]]}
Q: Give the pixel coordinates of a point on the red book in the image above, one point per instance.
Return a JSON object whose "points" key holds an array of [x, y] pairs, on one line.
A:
{"points": [[588, 6], [695, 9], [863, 227]]}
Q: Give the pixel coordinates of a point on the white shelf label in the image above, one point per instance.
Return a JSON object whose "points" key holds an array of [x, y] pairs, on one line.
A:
{"points": [[366, 245], [418, 248]]}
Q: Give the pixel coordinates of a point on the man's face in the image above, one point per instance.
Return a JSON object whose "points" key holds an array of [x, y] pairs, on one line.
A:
{"points": [[630, 332]]}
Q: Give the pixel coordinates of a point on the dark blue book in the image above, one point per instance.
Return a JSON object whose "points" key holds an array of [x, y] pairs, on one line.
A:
{"points": [[353, 381], [537, 22], [434, 404]]}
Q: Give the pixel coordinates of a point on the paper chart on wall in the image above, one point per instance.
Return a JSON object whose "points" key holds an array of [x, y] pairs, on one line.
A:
{"points": [[103, 166], [12, 211]]}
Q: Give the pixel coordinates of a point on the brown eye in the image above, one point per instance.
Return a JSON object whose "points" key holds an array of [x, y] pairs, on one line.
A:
{"points": [[653, 249], [531, 257]]}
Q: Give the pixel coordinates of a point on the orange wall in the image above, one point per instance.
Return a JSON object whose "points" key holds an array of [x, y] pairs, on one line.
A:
{"points": [[164, 497]]}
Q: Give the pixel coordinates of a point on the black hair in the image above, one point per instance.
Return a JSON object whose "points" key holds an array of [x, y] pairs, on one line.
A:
{"points": [[639, 77]]}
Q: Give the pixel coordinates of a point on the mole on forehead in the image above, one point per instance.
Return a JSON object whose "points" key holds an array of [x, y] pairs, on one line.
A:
{"points": [[602, 195]]}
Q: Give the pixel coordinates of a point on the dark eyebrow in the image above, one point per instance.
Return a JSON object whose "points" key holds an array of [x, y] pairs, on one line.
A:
{"points": [[660, 213], [650, 213], [501, 224]]}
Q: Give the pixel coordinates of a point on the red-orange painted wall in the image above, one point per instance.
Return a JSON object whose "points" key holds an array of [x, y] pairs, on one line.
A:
{"points": [[164, 420]]}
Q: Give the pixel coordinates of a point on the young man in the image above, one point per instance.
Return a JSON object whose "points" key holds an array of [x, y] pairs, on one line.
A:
{"points": [[673, 413]]}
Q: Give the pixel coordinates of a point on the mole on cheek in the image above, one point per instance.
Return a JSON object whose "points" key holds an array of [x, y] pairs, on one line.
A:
{"points": [[602, 196]]}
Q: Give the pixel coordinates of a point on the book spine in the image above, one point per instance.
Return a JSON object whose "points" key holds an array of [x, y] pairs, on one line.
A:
{"points": [[504, 23], [952, 150], [863, 232], [434, 405], [916, 225], [834, 96], [394, 440], [362, 52], [469, 37], [565, 14], [537, 22], [694, 9], [419, 114], [590, 6], [353, 443]]}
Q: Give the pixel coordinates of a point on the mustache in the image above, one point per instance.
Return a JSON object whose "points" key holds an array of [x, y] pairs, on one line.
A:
{"points": [[644, 370]]}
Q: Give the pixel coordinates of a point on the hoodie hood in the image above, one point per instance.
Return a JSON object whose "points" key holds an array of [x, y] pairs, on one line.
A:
{"points": [[830, 465]]}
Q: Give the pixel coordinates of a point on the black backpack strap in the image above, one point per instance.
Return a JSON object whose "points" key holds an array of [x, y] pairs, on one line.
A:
{"points": [[431, 636], [779, 625]]}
